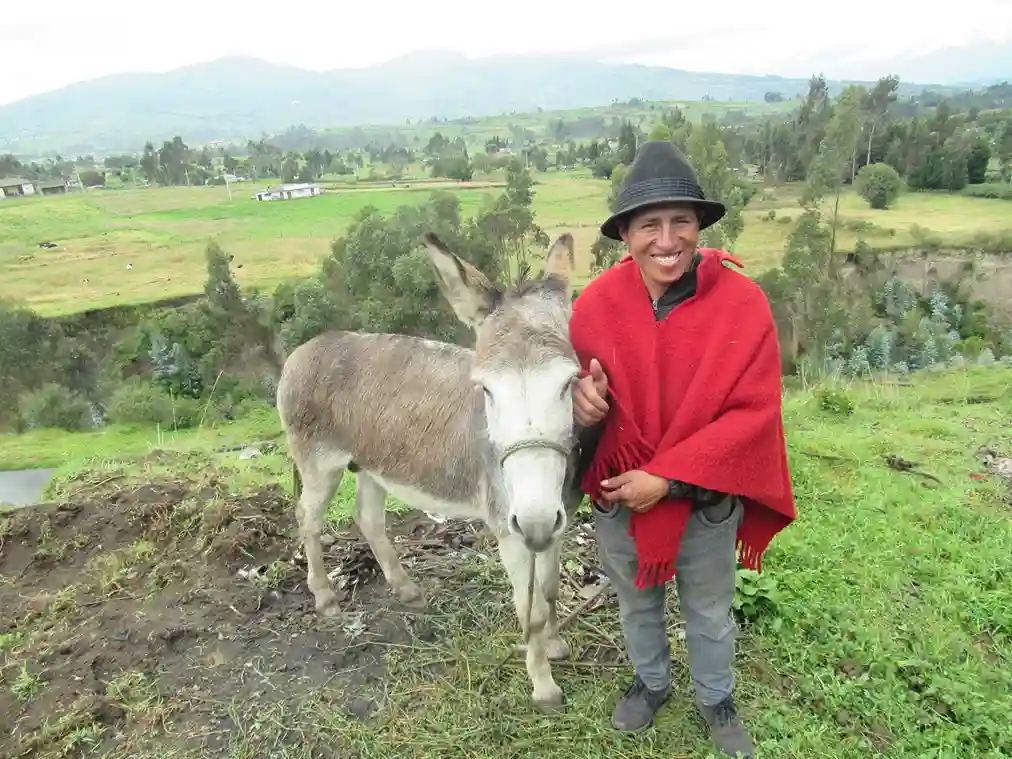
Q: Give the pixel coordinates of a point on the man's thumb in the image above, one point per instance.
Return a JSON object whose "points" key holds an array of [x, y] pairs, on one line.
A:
{"points": [[595, 370], [617, 481]]}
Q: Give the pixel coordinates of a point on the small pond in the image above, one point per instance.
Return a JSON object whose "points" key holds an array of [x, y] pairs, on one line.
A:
{"points": [[24, 487]]}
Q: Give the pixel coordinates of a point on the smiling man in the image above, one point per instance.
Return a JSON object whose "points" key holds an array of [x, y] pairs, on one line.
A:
{"points": [[682, 445]]}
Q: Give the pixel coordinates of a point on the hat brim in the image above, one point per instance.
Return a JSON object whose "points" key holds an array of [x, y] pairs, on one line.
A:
{"points": [[710, 212]]}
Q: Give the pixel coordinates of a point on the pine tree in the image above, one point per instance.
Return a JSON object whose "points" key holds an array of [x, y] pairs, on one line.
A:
{"points": [[858, 365], [163, 368], [879, 348], [929, 352], [896, 299], [956, 316], [939, 304]]}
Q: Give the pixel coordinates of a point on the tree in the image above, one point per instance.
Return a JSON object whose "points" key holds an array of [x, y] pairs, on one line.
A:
{"points": [[379, 269], [25, 338], [706, 151], [876, 107], [836, 153], [808, 129], [617, 177], [506, 224], [626, 143], [173, 159], [879, 184], [979, 156], [149, 162]]}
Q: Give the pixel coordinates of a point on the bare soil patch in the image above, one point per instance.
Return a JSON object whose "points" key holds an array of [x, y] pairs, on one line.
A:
{"points": [[148, 619]]}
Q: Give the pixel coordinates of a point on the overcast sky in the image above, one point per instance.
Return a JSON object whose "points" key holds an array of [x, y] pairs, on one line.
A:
{"points": [[51, 43]]}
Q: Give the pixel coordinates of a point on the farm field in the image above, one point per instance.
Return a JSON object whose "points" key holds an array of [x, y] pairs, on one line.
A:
{"points": [[162, 233], [477, 130], [141, 631]]}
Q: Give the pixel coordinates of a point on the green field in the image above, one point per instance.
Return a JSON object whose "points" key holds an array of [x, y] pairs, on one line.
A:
{"points": [[162, 232], [477, 130], [888, 632]]}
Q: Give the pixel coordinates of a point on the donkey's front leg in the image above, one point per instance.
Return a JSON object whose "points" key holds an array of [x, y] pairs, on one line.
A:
{"points": [[549, 567], [548, 696]]}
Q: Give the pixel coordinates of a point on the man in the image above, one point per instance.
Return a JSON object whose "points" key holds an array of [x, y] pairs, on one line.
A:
{"points": [[682, 447]]}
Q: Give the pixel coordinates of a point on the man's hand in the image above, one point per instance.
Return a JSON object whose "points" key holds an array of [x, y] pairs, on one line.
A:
{"points": [[635, 489], [589, 393]]}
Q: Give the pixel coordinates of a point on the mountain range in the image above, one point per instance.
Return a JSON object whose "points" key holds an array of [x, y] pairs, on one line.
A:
{"points": [[240, 98]]}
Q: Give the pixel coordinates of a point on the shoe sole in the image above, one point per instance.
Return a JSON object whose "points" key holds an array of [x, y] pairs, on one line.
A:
{"points": [[633, 731]]}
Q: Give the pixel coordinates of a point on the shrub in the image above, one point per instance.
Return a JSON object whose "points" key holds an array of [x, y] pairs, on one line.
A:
{"points": [[879, 184], [55, 406], [992, 190], [835, 401], [139, 402]]}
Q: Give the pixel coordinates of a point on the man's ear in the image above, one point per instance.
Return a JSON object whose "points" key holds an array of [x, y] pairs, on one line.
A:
{"points": [[623, 229]]}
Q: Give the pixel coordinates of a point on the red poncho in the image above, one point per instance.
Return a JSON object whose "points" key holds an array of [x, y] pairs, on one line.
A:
{"points": [[695, 397]]}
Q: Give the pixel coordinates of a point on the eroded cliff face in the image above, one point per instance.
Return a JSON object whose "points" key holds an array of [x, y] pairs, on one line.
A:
{"points": [[981, 276]]}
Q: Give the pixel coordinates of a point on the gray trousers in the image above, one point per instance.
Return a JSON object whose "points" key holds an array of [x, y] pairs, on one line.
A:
{"points": [[705, 579]]}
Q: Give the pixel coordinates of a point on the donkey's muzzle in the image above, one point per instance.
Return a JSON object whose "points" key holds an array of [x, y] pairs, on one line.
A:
{"points": [[538, 531]]}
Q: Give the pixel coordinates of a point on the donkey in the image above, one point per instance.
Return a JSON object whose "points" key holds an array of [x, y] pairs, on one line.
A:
{"points": [[486, 433]]}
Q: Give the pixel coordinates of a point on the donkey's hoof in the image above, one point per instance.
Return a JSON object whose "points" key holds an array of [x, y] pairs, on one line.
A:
{"points": [[551, 702], [328, 604], [557, 649]]}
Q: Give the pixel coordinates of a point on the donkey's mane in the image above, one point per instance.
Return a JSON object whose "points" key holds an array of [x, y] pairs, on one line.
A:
{"points": [[549, 285]]}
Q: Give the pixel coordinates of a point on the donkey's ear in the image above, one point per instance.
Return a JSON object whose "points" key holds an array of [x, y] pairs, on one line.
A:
{"points": [[468, 291], [560, 260]]}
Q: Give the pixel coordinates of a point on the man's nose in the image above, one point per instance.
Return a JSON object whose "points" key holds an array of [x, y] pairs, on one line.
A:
{"points": [[667, 239]]}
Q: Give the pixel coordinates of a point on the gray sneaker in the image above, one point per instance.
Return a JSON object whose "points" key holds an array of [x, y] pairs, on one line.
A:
{"points": [[726, 729], [635, 710]]}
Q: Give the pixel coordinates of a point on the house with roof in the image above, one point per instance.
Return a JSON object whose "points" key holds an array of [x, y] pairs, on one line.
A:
{"points": [[11, 187]]}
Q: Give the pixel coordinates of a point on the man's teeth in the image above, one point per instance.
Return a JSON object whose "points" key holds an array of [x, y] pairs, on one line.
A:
{"points": [[666, 260]]}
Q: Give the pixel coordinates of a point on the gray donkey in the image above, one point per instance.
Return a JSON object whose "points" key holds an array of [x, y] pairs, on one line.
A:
{"points": [[486, 433]]}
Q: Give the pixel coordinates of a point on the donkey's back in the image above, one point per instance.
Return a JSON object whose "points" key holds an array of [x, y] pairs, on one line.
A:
{"points": [[397, 407]]}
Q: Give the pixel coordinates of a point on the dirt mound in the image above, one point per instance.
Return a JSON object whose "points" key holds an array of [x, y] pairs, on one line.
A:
{"points": [[128, 609]]}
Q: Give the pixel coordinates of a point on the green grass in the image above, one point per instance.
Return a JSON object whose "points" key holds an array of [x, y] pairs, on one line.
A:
{"points": [[162, 232], [71, 451], [890, 633]]}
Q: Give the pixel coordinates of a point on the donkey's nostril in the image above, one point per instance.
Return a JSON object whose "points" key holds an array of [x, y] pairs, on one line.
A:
{"points": [[536, 532], [515, 525]]}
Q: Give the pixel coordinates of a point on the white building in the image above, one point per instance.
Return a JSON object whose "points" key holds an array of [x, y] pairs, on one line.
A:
{"points": [[290, 191]]}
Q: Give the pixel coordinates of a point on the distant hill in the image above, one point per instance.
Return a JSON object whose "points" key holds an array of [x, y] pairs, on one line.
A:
{"points": [[974, 65], [238, 98]]}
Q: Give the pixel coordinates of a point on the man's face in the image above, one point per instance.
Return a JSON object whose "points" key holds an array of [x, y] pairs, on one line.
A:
{"points": [[662, 240]]}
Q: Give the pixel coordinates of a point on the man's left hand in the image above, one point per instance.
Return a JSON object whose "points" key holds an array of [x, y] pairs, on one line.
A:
{"points": [[635, 489]]}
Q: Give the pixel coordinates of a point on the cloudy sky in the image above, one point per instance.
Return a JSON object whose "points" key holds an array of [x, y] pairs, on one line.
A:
{"points": [[63, 41]]}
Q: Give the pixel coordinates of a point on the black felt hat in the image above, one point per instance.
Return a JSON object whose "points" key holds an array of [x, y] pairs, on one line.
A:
{"points": [[661, 174]]}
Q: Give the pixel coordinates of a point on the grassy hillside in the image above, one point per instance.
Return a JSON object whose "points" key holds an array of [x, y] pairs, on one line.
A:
{"points": [[162, 232], [476, 130], [240, 98], [881, 627]]}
